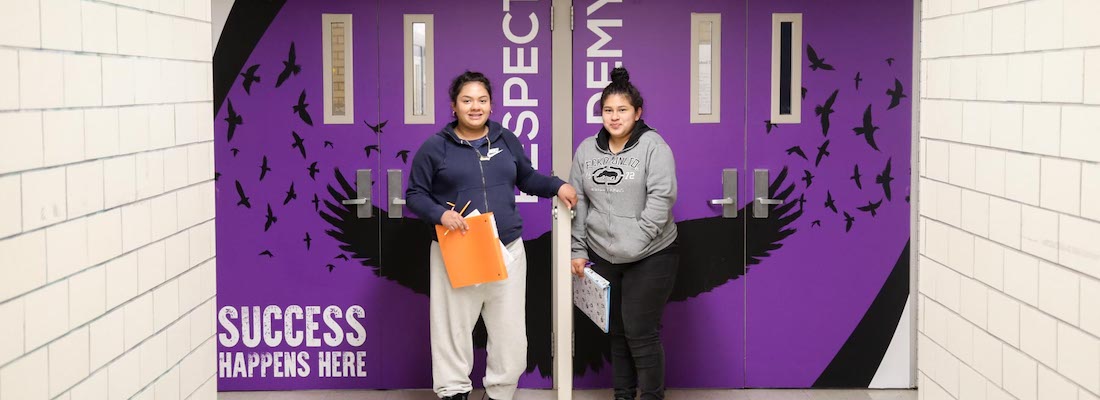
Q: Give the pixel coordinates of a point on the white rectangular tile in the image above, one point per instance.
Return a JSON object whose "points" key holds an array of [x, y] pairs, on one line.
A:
{"points": [[974, 302], [990, 171], [139, 319], [1090, 297], [60, 24], [99, 26], [1020, 374], [12, 330], [119, 181], [1022, 277], [43, 197], [979, 31], [1042, 129], [960, 338], [993, 78], [177, 254], [1077, 241], [1079, 127], [1063, 76], [166, 302], [132, 38], [989, 263], [178, 337], [1022, 178], [1054, 386], [9, 79], [87, 295], [1078, 29], [1004, 317], [84, 188], [106, 338], [11, 205], [27, 377], [1039, 336], [1025, 71], [123, 376], [962, 165], [168, 386], [939, 79], [40, 77], [1061, 185], [150, 267], [198, 367], [961, 252], [95, 387], [121, 280], [971, 384], [202, 242], [82, 80], [153, 363], [150, 174], [975, 212], [1059, 292], [104, 236], [133, 129], [23, 267], [137, 220], [148, 80], [1007, 35], [162, 126], [49, 316], [988, 356], [1092, 77], [164, 221], [66, 248], [101, 132], [63, 136], [977, 122], [20, 24], [1007, 127], [23, 134], [1040, 22], [200, 162], [1079, 357], [68, 361], [1039, 233], [939, 156]]}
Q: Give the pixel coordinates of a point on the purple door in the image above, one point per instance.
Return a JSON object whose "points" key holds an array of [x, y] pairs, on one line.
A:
{"points": [[790, 292], [355, 292]]}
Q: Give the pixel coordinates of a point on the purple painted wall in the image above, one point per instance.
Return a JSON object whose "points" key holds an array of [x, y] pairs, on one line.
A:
{"points": [[395, 318]]}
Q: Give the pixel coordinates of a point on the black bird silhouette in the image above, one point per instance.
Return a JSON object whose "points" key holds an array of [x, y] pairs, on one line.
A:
{"points": [[264, 168], [267, 253], [316, 203], [804, 91], [250, 77], [884, 179], [404, 154], [896, 94], [858, 80], [817, 222], [233, 119], [330, 267], [871, 207], [801, 201], [815, 61], [308, 240], [848, 220], [289, 66], [299, 143], [290, 195], [313, 170], [797, 150], [808, 178], [328, 144], [234, 151], [407, 240], [244, 199], [341, 256], [822, 151], [377, 128], [824, 110], [300, 109], [768, 125], [868, 129], [855, 177], [829, 202], [217, 175], [369, 148], [890, 61], [271, 219]]}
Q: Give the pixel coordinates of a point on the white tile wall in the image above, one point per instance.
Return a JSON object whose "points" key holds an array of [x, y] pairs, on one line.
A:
{"points": [[11, 216], [40, 77], [9, 79], [60, 22], [1023, 208]]}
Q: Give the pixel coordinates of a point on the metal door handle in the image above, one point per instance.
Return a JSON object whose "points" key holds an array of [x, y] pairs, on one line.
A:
{"points": [[352, 202], [769, 202], [728, 200], [393, 183], [363, 184]]}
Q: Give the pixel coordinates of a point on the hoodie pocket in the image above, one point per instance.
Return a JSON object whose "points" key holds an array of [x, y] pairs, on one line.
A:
{"points": [[621, 237]]}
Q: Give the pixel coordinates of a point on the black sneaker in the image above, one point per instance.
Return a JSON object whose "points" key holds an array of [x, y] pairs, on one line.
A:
{"points": [[460, 396]]}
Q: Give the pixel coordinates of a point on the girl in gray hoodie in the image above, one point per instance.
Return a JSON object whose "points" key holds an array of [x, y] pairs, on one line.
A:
{"points": [[625, 179]]}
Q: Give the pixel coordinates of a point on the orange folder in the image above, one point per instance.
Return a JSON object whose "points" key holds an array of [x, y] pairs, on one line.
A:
{"points": [[475, 257]]}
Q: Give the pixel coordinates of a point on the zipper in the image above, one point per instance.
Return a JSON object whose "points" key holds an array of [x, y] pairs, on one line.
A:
{"points": [[484, 186]]}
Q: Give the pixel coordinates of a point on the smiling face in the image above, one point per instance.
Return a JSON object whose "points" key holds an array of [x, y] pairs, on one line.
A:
{"points": [[472, 107], [619, 116]]}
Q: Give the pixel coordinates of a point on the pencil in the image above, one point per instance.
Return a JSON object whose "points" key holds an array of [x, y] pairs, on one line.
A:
{"points": [[464, 207]]}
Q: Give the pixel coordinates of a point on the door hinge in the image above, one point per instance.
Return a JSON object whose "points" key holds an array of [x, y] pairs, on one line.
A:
{"points": [[570, 18], [551, 18]]}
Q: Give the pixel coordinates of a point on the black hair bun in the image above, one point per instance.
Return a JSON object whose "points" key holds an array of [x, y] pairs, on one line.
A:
{"points": [[619, 75]]}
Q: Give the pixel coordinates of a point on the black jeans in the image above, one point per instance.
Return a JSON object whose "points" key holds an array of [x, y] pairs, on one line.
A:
{"points": [[639, 291]]}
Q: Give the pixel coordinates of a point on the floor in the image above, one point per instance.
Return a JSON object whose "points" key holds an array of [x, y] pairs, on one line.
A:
{"points": [[751, 394]]}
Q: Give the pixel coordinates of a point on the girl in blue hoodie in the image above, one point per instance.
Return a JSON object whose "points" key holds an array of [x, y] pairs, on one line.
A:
{"points": [[478, 161]]}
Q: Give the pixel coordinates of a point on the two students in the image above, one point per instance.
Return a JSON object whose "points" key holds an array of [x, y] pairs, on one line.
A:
{"points": [[623, 224]]}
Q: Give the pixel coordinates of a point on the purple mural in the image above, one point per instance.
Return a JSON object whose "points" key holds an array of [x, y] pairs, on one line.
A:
{"points": [[771, 302], [310, 295]]}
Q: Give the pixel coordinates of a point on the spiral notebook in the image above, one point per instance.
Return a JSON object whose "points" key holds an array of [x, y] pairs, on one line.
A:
{"points": [[592, 295]]}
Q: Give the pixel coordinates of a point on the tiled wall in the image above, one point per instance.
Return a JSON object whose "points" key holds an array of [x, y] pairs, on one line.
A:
{"points": [[106, 200], [1009, 199]]}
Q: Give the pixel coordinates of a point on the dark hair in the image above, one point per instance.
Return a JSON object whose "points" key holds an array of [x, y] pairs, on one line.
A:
{"points": [[620, 84], [468, 77]]}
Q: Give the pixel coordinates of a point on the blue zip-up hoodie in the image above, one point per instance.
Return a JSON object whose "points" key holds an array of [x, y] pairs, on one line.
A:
{"points": [[447, 169]]}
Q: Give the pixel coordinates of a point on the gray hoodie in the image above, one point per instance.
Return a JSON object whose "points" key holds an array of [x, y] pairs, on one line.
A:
{"points": [[624, 200]]}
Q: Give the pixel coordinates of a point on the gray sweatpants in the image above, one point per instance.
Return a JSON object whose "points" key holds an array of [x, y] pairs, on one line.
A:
{"points": [[454, 313]]}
